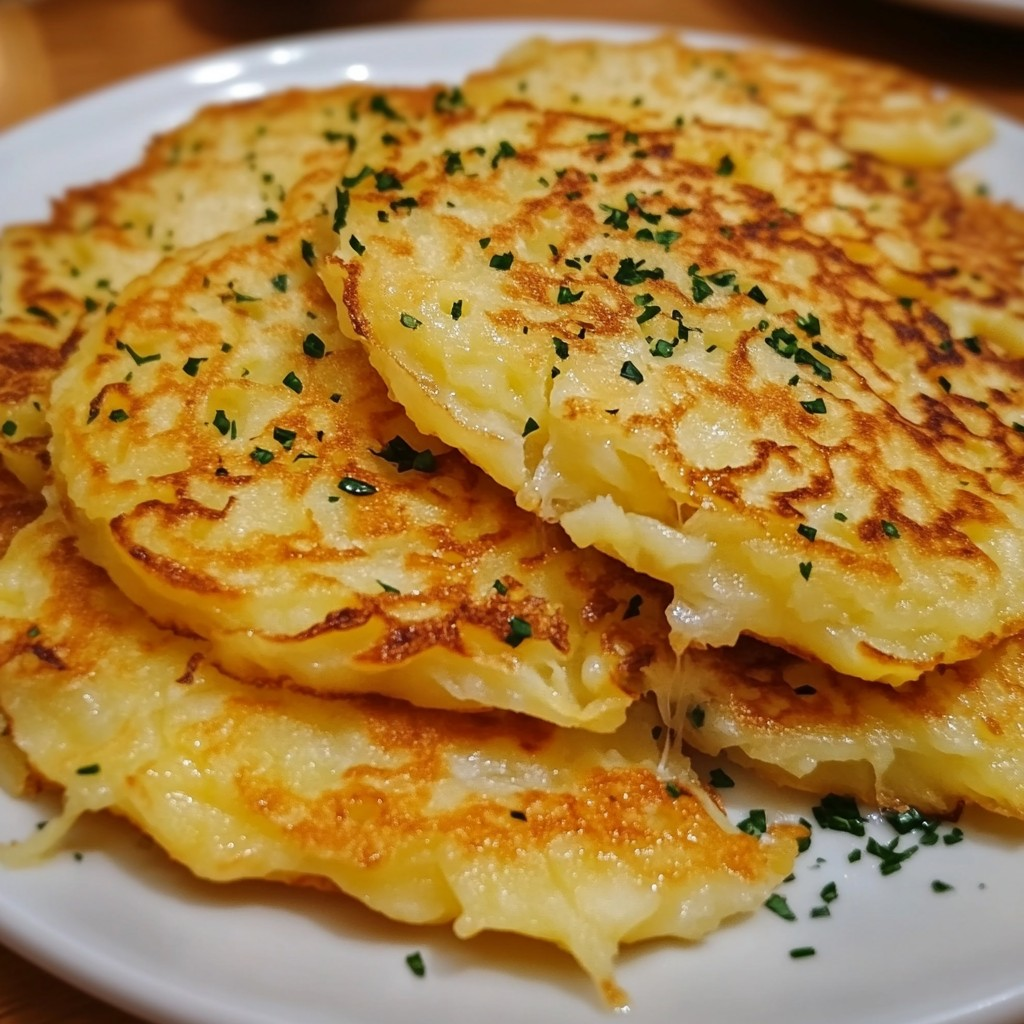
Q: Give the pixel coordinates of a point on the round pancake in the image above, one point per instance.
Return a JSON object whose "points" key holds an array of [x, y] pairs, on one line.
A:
{"points": [[864, 106], [492, 821], [238, 468], [723, 399], [227, 167], [953, 737]]}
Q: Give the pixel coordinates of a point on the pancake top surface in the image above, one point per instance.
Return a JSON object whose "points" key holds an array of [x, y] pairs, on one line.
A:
{"points": [[493, 821], [723, 398], [239, 469], [227, 167]]}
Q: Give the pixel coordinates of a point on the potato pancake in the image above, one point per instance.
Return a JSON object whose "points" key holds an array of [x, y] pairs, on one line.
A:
{"points": [[227, 167], [238, 468], [955, 736], [722, 398], [492, 821], [863, 106]]}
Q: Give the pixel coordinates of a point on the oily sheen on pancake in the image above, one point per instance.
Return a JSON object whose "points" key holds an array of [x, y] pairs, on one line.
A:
{"points": [[723, 399], [953, 737], [227, 167], [492, 821], [237, 467]]}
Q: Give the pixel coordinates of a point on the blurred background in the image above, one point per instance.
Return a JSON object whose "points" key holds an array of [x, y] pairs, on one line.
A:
{"points": [[52, 50]]}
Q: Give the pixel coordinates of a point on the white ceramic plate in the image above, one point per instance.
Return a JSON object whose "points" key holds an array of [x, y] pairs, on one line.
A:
{"points": [[1004, 12], [130, 927]]}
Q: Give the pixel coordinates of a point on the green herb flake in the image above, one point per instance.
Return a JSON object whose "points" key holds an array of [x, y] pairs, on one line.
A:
{"points": [[10, 428], [725, 166], [308, 253], [357, 247], [890, 529], [501, 260], [88, 769], [839, 813], [284, 437], [414, 961], [631, 373], [757, 295], [447, 102], [802, 952], [566, 295], [696, 715], [340, 213], [673, 790], [500, 587], [530, 426], [972, 345], [43, 314], [136, 358], [561, 348], [938, 886], [314, 346], [853, 856], [505, 151], [720, 779], [387, 588], [269, 217], [633, 607], [261, 456], [405, 458], [280, 282], [379, 105], [357, 488], [518, 631], [293, 382], [953, 837], [755, 824], [810, 325], [807, 531], [830, 893], [780, 905], [408, 320], [816, 408], [118, 415]]}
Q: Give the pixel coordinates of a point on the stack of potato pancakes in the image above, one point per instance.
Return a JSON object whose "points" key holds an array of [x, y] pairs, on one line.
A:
{"points": [[399, 481]]}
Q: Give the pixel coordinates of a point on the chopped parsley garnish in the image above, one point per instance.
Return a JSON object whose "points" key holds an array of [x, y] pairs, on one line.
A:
{"points": [[314, 346], [280, 282], [561, 348], [757, 295], [43, 314], [566, 295], [10, 428], [88, 769], [720, 779], [816, 408], [807, 531], [446, 102], [505, 151], [456, 309], [810, 325], [416, 965], [780, 905], [404, 457], [357, 488], [357, 247], [805, 569], [136, 358], [408, 320], [826, 350], [891, 858], [530, 426], [269, 216], [755, 824], [518, 631], [500, 587], [696, 715], [839, 813], [387, 588], [118, 415], [830, 893], [673, 790], [890, 529], [800, 952], [379, 105], [631, 373], [284, 437], [938, 886], [340, 213], [293, 382], [502, 260], [223, 424], [261, 455], [633, 272], [308, 253]]}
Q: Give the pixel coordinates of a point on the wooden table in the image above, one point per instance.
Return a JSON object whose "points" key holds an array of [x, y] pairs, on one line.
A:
{"points": [[54, 50]]}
